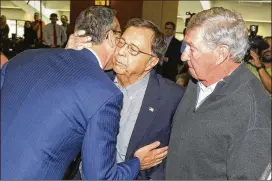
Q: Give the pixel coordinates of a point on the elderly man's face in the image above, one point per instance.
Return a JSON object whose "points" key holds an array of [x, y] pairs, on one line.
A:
{"points": [[201, 61], [134, 65]]}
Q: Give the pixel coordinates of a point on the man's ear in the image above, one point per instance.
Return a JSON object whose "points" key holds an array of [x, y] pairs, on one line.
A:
{"points": [[153, 61], [222, 54], [111, 38]]}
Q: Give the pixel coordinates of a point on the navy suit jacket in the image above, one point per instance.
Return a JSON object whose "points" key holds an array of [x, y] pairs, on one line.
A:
{"points": [[169, 69], [154, 121], [56, 102]]}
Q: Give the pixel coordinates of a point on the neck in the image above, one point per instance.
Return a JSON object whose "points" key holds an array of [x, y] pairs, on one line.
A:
{"points": [[53, 23], [219, 72], [100, 52], [64, 24], [125, 80]]}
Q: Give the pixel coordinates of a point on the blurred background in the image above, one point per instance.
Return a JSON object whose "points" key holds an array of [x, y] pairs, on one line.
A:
{"points": [[17, 12]]}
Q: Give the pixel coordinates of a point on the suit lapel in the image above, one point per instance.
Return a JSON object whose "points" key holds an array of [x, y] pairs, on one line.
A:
{"points": [[149, 109]]}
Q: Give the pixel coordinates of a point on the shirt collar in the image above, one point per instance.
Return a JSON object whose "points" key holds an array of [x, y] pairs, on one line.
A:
{"points": [[96, 56], [169, 39], [210, 88], [135, 88]]}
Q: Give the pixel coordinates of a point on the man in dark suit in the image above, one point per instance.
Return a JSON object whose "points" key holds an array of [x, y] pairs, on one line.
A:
{"points": [[56, 102], [168, 65], [149, 99]]}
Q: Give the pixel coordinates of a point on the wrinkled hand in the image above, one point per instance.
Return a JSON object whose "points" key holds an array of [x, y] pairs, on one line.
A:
{"points": [[78, 41], [255, 60], [150, 156]]}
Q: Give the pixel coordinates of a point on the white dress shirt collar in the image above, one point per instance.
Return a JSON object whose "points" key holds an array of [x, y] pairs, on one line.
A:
{"points": [[98, 59]]}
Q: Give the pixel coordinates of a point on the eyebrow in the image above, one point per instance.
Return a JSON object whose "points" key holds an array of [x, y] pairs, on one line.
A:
{"points": [[190, 44], [130, 42]]}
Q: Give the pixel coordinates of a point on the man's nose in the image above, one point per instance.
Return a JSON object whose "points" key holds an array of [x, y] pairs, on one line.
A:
{"points": [[122, 50], [184, 56]]}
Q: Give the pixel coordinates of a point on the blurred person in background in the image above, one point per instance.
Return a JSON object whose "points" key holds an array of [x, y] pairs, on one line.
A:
{"points": [[4, 28], [261, 65], [66, 26], [30, 36], [38, 26], [4, 31], [168, 65], [54, 35]]}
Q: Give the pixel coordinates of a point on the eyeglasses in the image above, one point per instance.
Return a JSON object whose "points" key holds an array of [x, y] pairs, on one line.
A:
{"points": [[132, 49], [115, 32], [119, 33], [166, 28]]}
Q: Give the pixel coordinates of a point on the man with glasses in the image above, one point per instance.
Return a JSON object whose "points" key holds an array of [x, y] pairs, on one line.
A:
{"points": [[149, 99], [56, 102]]}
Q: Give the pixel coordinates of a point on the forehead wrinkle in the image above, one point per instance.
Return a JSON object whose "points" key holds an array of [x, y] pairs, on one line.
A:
{"points": [[196, 38], [137, 37]]}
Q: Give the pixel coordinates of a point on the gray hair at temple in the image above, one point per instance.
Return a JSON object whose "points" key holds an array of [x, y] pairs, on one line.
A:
{"points": [[222, 27], [97, 21], [158, 41]]}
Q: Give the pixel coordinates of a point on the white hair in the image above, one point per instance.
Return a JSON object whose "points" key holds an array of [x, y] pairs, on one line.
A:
{"points": [[222, 27]]}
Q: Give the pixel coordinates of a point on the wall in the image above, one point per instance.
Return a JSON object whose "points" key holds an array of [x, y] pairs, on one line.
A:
{"points": [[264, 29], [160, 11], [127, 10], [16, 14], [183, 7], [13, 11], [152, 10], [179, 29], [76, 6], [253, 14]]}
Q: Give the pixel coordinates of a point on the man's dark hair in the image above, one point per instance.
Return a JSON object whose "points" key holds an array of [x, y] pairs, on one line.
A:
{"points": [[171, 23], [158, 41], [96, 21], [53, 15]]}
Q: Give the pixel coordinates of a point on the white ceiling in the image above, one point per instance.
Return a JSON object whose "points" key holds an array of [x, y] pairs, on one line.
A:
{"points": [[53, 5], [254, 11]]}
